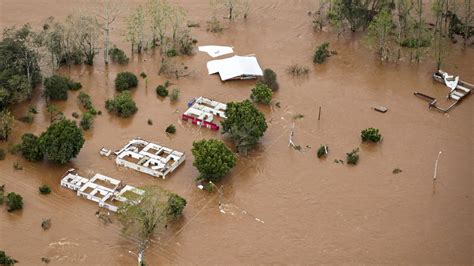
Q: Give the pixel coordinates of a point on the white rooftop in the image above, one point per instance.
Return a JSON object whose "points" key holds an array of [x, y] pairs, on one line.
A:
{"points": [[215, 50], [235, 67]]}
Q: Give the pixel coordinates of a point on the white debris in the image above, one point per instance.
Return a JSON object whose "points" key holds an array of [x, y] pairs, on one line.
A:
{"points": [[215, 50]]}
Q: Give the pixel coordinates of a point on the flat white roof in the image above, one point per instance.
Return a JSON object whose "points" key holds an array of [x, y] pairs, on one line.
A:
{"points": [[215, 50], [234, 67]]}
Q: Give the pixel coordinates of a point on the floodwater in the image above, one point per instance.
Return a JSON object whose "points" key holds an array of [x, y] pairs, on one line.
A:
{"points": [[280, 206]]}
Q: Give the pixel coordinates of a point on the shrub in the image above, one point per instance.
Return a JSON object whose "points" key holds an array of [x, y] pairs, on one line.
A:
{"points": [[125, 81], [185, 43], [6, 260], [162, 91], [323, 151], [297, 70], [213, 25], [213, 159], [85, 100], [176, 206], [62, 141], [353, 157], [143, 75], [75, 115], [118, 56], [270, 79], [14, 202], [171, 53], [44, 190], [56, 87], [2, 154], [322, 52], [171, 129], [261, 94], [122, 105], [72, 85], [371, 134], [87, 120], [174, 96], [30, 148], [245, 124], [150, 122]]}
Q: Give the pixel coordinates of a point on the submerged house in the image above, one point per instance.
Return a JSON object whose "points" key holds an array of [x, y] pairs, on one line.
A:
{"points": [[204, 112], [235, 67], [149, 158], [108, 192]]}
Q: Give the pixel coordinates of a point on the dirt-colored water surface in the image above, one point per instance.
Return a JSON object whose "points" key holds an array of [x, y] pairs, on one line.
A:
{"points": [[280, 206]]}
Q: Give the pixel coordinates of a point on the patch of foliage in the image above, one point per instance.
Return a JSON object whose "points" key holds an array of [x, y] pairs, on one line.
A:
{"points": [[162, 91], [62, 141], [122, 105], [6, 260], [244, 124], [353, 157], [261, 94], [14, 202], [270, 79], [214, 25], [118, 56], [321, 53], [2, 154], [297, 70], [174, 96], [323, 151], [213, 159], [176, 206], [125, 81], [87, 120], [30, 148], [371, 134], [171, 129], [44, 190]]}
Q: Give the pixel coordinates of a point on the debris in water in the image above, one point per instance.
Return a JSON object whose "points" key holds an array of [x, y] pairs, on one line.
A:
{"points": [[45, 260], [46, 224], [380, 108], [397, 171], [436, 167]]}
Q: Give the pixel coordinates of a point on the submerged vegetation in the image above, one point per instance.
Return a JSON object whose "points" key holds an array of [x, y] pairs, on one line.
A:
{"points": [[122, 105], [261, 94], [321, 53], [213, 159]]}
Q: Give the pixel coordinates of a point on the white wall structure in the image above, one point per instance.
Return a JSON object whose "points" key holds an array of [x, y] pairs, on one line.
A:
{"points": [[149, 158], [106, 191], [202, 112], [236, 67]]}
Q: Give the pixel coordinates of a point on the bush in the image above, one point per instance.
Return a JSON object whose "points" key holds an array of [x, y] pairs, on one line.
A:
{"points": [[125, 81], [143, 75], [213, 25], [270, 79], [162, 91], [118, 56], [174, 96], [2, 154], [122, 105], [261, 94], [171, 53], [323, 151], [322, 52], [85, 100], [353, 157], [171, 129], [176, 206], [297, 70], [6, 260], [56, 87], [44, 190], [14, 202], [62, 141], [30, 148], [72, 85], [213, 159], [87, 120], [75, 115], [371, 134]]}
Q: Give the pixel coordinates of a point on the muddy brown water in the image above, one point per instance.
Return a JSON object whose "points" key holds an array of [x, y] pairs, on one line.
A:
{"points": [[280, 206]]}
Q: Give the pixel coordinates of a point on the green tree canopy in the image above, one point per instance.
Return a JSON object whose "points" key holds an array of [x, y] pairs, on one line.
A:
{"points": [[6, 120], [62, 141], [14, 202], [321, 53], [245, 124], [6, 260], [261, 94], [122, 105], [212, 159], [30, 148], [125, 81]]}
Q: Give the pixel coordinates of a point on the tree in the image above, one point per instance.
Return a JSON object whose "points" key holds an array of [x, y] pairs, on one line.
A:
{"points": [[162, 91], [380, 34], [87, 120], [322, 52], [118, 56], [44, 190], [122, 105], [30, 148], [353, 157], [125, 81], [440, 32], [468, 19], [6, 120], [109, 12], [14, 202], [136, 29], [245, 125], [261, 94], [150, 213], [54, 113], [87, 34], [62, 141], [370, 134], [234, 8], [358, 13], [6, 260], [213, 159], [270, 79], [158, 11]]}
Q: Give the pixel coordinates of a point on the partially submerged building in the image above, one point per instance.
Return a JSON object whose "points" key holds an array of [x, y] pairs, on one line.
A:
{"points": [[235, 67], [149, 158], [204, 112], [108, 192]]}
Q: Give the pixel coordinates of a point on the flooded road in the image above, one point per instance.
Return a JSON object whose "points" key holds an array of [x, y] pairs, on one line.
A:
{"points": [[280, 206]]}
